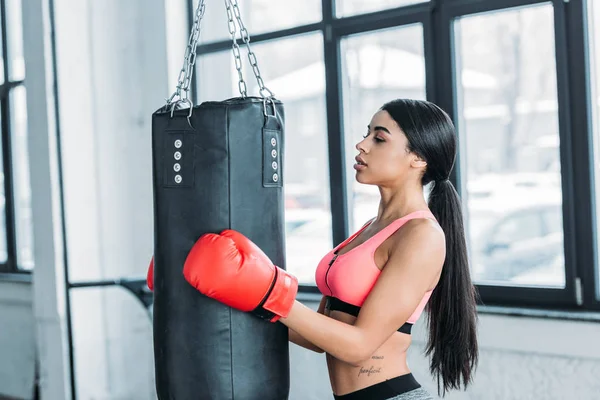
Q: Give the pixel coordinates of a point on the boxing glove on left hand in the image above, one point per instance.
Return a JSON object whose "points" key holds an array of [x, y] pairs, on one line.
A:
{"points": [[233, 270]]}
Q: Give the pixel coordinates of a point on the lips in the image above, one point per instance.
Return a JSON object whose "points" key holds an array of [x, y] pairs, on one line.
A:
{"points": [[360, 161]]}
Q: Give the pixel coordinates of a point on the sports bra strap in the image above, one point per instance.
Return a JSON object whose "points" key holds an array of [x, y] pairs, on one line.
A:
{"points": [[386, 232], [389, 230]]}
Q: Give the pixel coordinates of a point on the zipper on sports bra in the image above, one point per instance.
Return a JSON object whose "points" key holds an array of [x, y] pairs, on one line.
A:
{"points": [[328, 269]]}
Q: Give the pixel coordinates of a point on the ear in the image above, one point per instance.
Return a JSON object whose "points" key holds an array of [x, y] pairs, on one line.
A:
{"points": [[418, 162]]}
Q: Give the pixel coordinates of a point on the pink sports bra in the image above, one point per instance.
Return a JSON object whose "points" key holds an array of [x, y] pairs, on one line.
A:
{"points": [[347, 279]]}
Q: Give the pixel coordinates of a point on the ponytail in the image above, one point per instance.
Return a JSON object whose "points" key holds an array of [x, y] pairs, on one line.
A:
{"points": [[452, 314]]}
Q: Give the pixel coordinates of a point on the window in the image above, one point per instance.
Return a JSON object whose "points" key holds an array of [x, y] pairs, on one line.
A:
{"points": [[509, 75], [295, 73], [594, 41], [516, 228], [508, 113], [345, 8], [259, 16], [16, 247], [376, 67]]}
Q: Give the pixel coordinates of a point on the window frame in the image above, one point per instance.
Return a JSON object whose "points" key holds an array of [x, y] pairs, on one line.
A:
{"points": [[567, 297], [575, 130], [11, 265], [436, 17]]}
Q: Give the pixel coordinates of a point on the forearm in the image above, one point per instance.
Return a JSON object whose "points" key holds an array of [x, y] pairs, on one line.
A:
{"points": [[341, 340], [300, 341]]}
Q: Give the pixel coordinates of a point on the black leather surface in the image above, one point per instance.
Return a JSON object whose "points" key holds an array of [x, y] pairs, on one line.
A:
{"points": [[203, 349]]}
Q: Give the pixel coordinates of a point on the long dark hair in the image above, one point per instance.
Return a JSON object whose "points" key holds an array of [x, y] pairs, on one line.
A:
{"points": [[452, 314]]}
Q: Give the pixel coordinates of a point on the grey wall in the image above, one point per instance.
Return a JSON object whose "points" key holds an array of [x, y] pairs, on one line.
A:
{"points": [[17, 340], [522, 358], [111, 65]]}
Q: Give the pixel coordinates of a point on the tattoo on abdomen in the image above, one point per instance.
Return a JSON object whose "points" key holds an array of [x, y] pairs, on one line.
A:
{"points": [[377, 357], [369, 371]]}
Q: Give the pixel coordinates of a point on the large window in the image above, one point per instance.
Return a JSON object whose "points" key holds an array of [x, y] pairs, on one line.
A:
{"points": [[259, 16], [594, 40], [295, 73], [508, 113], [511, 74], [345, 8], [16, 247], [376, 67]]}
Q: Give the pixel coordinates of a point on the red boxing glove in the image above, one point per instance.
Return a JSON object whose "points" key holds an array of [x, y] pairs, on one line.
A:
{"points": [[233, 270], [150, 275]]}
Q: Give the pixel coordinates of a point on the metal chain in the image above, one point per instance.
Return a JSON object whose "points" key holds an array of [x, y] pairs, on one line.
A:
{"points": [[186, 73], [264, 91], [236, 49]]}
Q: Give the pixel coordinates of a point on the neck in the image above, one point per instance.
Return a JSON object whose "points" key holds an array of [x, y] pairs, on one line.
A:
{"points": [[398, 201]]}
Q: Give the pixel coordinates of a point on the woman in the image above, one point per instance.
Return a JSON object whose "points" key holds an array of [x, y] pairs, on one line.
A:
{"points": [[377, 282], [408, 145]]}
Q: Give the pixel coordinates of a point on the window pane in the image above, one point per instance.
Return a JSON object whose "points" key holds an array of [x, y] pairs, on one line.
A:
{"points": [[1, 56], [344, 8], [376, 67], [295, 73], [594, 41], [3, 245], [509, 128], [22, 187], [258, 16], [15, 40]]}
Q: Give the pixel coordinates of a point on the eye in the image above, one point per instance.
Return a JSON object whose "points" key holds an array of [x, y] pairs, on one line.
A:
{"points": [[365, 135], [379, 140]]}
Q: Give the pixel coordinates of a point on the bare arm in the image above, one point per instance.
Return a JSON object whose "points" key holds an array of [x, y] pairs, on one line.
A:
{"points": [[413, 265], [296, 338]]}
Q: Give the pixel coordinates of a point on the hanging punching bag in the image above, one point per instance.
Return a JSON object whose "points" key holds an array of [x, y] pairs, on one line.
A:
{"points": [[215, 166]]}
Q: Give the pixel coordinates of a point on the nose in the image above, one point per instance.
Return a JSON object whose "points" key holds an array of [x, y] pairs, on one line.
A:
{"points": [[361, 146]]}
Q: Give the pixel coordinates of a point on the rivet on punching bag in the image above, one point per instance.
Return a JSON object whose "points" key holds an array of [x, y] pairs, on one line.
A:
{"points": [[216, 166]]}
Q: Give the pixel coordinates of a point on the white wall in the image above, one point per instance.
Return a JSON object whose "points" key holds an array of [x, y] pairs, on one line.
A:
{"points": [[111, 67], [48, 290], [112, 75]]}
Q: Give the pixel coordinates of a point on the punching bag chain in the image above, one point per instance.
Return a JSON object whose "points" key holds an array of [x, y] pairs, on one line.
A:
{"points": [[236, 50], [185, 75], [233, 9]]}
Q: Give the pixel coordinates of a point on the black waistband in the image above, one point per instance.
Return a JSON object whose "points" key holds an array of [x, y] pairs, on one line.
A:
{"points": [[335, 304], [383, 390]]}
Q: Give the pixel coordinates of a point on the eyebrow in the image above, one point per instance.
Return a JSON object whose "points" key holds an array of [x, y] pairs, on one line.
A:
{"points": [[379, 128]]}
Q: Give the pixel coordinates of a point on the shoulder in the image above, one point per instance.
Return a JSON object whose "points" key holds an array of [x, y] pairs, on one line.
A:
{"points": [[416, 254], [419, 234]]}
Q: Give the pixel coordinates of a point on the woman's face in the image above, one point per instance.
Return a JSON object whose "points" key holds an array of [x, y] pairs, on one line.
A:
{"points": [[384, 158]]}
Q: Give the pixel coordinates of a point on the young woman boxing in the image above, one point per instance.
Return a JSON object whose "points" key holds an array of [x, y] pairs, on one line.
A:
{"points": [[411, 256]]}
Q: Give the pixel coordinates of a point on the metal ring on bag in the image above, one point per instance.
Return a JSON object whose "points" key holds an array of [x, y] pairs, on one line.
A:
{"points": [[265, 100], [191, 106], [180, 101]]}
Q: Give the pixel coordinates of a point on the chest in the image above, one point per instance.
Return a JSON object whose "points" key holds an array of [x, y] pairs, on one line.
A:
{"points": [[350, 275], [378, 250]]}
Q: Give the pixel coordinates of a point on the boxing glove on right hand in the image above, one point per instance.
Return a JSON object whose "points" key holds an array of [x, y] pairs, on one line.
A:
{"points": [[150, 275]]}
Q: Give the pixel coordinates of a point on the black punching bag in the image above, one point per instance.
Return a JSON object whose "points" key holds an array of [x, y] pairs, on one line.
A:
{"points": [[219, 169]]}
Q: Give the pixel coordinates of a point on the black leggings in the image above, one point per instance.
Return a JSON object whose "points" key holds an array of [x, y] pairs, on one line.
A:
{"points": [[383, 390]]}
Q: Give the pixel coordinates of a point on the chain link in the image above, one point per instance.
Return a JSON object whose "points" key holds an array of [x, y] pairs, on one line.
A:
{"points": [[182, 91], [186, 73], [232, 7], [236, 50]]}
